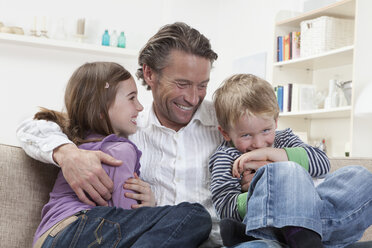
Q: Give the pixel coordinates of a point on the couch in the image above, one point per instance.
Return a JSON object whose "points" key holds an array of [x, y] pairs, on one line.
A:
{"points": [[25, 184]]}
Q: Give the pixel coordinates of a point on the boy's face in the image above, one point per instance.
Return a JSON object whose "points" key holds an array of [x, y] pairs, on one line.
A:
{"points": [[251, 132]]}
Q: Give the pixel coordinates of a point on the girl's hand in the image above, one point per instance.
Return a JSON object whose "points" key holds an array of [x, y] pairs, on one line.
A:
{"points": [[144, 195]]}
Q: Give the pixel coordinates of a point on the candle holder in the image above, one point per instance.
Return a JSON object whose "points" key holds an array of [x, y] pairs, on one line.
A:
{"points": [[80, 38], [33, 32], [44, 33]]}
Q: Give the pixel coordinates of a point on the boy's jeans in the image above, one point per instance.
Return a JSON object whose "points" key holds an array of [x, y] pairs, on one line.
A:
{"points": [[283, 194], [183, 225]]}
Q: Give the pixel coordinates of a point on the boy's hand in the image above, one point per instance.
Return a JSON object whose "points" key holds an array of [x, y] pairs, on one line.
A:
{"points": [[144, 195], [83, 171], [248, 161], [247, 179]]}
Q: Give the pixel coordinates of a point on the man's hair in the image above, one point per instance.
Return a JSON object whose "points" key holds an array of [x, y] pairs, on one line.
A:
{"points": [[243, 94], [177, 36], [89, 93]]}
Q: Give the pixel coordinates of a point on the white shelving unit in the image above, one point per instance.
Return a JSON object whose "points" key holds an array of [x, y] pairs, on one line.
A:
{"points": [[39, 42], [332, 124], [340, 112], [342, 126], [333, 58]]}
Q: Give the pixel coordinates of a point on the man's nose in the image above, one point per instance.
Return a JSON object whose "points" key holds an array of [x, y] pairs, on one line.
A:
{"points": [[192, 95]]}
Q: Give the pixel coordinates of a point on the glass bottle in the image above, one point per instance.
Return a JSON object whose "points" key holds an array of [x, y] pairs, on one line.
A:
{"points": [[122, 40], [106, 38], [114, 39]]}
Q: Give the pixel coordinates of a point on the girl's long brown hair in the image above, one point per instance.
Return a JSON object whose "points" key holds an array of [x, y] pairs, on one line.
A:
{"points": [[89, 93]]}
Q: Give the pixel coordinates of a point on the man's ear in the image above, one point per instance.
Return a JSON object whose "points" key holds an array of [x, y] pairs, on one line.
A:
{"points": [[149, 75], [224, 133]]}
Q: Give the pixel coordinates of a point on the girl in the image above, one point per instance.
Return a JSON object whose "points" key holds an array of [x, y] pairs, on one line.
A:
{"points": [[102, 107]]}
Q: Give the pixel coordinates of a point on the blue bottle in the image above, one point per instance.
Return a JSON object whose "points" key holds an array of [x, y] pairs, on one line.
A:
{"points": [[121, 40], [106, 39]]}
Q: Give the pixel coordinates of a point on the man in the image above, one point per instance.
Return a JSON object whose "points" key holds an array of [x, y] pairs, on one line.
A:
{"points": [[177, 135]]}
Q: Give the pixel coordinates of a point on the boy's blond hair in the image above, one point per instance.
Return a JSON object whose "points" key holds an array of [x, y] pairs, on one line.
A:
{"points": [[244, 94]]}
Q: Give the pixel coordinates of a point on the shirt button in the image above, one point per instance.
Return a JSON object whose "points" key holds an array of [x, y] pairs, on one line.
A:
{"points": [[179, 158], [177, 180], [176, 135]]}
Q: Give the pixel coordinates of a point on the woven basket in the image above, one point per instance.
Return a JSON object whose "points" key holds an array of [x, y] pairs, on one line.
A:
{"points": [[325, 33]]}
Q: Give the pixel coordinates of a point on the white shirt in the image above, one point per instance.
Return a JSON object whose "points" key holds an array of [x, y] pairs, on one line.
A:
{"points": [[174, 163]]}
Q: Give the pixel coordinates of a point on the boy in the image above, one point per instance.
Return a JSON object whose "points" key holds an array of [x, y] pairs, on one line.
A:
{"points": [[247, 112]]}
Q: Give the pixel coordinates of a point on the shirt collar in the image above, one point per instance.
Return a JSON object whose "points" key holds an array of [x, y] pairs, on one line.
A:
{"points": [[206, 114]]}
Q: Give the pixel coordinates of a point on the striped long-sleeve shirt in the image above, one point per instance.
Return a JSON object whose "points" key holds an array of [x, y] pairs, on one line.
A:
{"points": [[226, 189]]}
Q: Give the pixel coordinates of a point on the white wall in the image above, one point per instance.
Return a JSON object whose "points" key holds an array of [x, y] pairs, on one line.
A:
{"points": [[37, 77], [361, 129]]}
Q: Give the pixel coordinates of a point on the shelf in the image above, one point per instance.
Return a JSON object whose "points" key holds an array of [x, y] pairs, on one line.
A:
{"points": [[340, 112], [46, 43], [332, 58], [342, 9]]}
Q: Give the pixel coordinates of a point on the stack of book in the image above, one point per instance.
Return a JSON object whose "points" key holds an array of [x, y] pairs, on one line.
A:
{"points": [[295, 97], [288, 46]]}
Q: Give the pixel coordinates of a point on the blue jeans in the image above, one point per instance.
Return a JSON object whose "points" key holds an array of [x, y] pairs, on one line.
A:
{"points": [[183, 225], [283, 194], [259, 244]]}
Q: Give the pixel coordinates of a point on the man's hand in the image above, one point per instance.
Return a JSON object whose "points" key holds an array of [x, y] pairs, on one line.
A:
{"points": [[83, 171], [144, 195]]}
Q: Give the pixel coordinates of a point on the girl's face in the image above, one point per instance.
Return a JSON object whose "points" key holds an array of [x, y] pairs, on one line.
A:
{"points": [[124, 110]]}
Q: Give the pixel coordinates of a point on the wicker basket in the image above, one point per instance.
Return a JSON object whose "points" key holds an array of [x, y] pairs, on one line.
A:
{"points": [[325, 33]]}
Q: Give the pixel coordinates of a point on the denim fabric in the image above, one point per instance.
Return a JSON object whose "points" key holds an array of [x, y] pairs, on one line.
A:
{"points": [[259, 244], [364, 244], [283, 194], [183, 225]]}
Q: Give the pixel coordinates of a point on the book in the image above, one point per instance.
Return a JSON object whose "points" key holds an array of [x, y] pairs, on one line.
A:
{"points": [[295, 98], [296, 44], [279, 48], [285, 98], [290, 45], [280, 97], [289, 106], [286, 48]]}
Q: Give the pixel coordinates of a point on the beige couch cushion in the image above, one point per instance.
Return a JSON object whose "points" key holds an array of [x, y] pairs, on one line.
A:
{"points": [[24, 188]]}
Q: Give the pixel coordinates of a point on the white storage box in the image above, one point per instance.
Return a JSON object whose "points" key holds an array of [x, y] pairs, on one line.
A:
{"points": [[325, 33]]}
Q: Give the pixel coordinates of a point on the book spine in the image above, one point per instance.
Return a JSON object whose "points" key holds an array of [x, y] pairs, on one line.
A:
{"points": [[279, 48], [285, 98], [280, 97], [290, 45], [286, 48], [295, 98], [296, 44], [289, 107]]}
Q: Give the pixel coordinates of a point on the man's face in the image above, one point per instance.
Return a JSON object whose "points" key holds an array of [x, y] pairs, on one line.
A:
{"points": [[180, 88]]}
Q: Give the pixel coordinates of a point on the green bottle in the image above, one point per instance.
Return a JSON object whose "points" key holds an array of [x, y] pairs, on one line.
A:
{"points": [[106, 38], [122, 40]]}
